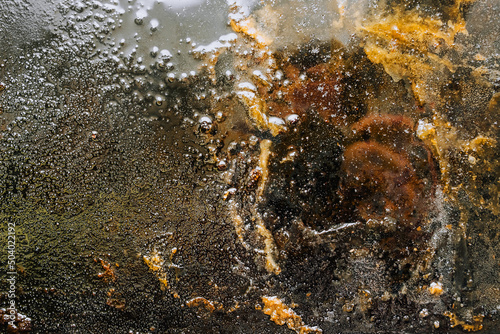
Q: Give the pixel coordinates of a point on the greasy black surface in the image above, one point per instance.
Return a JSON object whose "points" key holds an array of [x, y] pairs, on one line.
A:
{"points": [[82, 200]]}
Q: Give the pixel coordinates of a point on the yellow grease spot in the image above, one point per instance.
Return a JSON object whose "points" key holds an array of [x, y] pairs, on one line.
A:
{"points": [[235, 307], [154, 261], [269, 245], [479, 57], [479, 144], [265, 152], [257, 111], [442, 137], [436, 288], [204, 303], [476, 322], [239, 226], [270, 248], [282, 314], [163, 280], [404, 44], [247, 27], [410, 29]]}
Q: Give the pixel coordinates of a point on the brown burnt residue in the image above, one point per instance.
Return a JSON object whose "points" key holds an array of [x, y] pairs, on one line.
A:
{"points": [[319, 82], [387, 172], [321, 91], [347, 190], [345, 157]]}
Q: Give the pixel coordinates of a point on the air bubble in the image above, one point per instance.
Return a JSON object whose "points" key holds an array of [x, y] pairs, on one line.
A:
{"points": [[154, 25], [219, 116], [159, 100], [171, 77], [154, 51], [424, 313], [140, 16], [292, 119], [205, 119], [253, 140], [165, 54], [206, 125]]}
